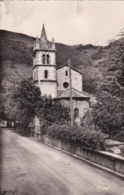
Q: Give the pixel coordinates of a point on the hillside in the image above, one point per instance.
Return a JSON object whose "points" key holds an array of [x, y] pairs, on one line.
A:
{"points": [[16, 56], [94, 63]]}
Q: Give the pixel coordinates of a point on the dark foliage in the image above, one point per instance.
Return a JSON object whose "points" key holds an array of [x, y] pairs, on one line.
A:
{"points": [[108, 113], [90, 139], [53, 112], [119, 136], [102, 68], [21, 103]]}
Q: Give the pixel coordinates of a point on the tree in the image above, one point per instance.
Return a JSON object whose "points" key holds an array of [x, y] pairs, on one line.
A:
{"points": [[23, 101], [53, 112], [115, 60], [2, 114], [108, 113]]}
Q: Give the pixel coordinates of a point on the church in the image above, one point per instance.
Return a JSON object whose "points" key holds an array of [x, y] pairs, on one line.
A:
{"points": [[54, 81]]}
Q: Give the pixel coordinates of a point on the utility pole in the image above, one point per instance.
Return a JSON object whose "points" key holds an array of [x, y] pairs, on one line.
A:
{"points": [[71, 98]]}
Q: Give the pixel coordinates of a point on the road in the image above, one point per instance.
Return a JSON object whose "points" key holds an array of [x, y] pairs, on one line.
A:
{"points": [[32, 168]]}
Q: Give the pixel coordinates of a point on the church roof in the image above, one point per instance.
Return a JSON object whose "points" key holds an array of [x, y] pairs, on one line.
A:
{"points": [[75, 94], [71, 68], [43, 43], [43, 38]]}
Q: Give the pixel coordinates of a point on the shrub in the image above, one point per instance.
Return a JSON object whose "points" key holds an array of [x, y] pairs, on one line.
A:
{"points": [[52, 112], [44, 127], [122, 150], [90, 139], [119, 136], [108, 113]]}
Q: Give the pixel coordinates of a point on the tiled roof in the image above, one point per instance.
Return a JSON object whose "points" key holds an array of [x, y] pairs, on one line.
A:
{"points": [[71, 68], [75, 94]]}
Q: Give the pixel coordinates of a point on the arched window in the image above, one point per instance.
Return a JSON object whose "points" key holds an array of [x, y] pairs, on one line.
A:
{"points": [[48, 59], [77, 120], [43, 58], [66, 73], [46, 74], [76, 112]]}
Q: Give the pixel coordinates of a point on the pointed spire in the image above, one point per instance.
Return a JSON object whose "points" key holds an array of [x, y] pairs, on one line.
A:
{"points": [[43, 34], [37, 39], [53, 44], [44, 43], [43, 38], [37, 43]]}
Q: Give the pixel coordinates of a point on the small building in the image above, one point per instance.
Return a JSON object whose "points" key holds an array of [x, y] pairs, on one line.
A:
{"points": [[80, 101], [54, 80], [63, 78]]}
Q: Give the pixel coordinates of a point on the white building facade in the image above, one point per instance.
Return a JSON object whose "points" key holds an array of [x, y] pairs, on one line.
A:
{"points": [[63, 79], [54, 81], [44, 65]]}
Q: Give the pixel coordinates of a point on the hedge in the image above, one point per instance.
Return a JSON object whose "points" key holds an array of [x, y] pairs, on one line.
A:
{"points": [[90, 139]]}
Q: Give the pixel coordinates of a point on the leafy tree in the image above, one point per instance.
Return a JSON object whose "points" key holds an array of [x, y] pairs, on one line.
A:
{"points": [[2, 115], [89, 83], [52, 111], [108, 113], [87, 122], [11, 110], [23, 101], [115, 60]]}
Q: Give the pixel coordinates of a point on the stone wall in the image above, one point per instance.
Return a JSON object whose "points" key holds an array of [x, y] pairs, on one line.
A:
{"points": [[103, 159], [51, 73], [49, 88], [62, 78], [37, 59], [82, 105]]}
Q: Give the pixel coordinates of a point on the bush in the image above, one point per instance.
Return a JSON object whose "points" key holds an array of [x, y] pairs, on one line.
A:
{"points": [[120, 136], [108, 113], [44, 127], [122, 150], [90, 139], [52, 112]]}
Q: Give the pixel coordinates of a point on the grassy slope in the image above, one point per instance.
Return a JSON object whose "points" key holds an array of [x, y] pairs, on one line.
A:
{"points": [[16, 56], [16, 60]]}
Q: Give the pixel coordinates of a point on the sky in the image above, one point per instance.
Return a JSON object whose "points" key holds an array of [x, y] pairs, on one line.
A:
{"points": [[69, 22]]}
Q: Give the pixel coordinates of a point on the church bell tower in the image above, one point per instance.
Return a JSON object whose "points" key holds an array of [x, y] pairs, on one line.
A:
{"points": [[44, 65]]}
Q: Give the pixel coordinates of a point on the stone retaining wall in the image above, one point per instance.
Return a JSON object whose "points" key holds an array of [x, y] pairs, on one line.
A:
{"points": [[105, 159]]}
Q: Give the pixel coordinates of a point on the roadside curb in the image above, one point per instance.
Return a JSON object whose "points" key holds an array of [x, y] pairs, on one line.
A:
{"points": [[87, 161], [84, 160]]}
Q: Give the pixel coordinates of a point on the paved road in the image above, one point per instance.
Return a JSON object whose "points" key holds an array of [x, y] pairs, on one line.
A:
{"points": [[32, 168]]}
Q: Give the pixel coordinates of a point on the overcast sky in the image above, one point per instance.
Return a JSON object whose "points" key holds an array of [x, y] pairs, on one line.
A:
{"points": [[69, 22]]}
